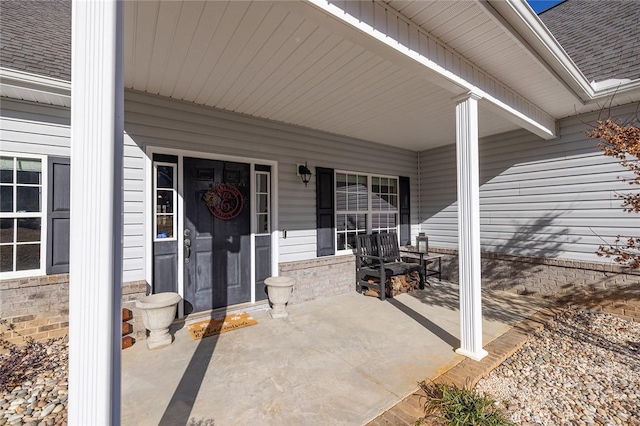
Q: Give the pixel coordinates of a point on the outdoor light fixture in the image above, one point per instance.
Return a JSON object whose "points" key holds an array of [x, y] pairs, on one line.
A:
{"points": [[422, 243], [305, 173]]}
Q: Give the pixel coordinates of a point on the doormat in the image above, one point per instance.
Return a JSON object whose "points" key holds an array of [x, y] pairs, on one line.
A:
{"points": [[206, 328]]}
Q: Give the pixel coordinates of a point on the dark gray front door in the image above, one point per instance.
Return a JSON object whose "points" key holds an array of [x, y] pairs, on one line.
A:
{"points": [[217, 230]]}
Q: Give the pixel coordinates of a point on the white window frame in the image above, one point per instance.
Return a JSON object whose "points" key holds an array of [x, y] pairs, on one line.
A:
{"points": [[268, 194], [42, 215], [174, 202], [369, 212]]}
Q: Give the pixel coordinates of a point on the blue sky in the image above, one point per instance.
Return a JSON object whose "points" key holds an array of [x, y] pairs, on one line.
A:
{"points": [[541, 5]]}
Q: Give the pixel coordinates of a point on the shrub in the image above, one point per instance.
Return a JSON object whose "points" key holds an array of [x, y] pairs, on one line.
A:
{"points": [[456, 406], [19, 363]]}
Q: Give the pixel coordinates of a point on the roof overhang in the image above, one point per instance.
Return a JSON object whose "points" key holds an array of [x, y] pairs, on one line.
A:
{"points": [[517, 17], [35, 88]]}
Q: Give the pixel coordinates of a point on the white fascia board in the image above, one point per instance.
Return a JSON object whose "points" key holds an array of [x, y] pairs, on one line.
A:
{"points": [[544, 125], [24, 82], [608, 91], [530, 26]]}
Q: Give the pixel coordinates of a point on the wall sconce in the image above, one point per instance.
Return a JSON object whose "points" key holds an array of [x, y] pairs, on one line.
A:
{"points": [[304, 173]]}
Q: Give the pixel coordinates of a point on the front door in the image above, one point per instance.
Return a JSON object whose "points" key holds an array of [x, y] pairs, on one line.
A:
{"points": [[217, 232]]}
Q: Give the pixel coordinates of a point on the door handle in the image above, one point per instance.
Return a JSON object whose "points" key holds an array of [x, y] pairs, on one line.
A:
{"points": [[187, 250]]}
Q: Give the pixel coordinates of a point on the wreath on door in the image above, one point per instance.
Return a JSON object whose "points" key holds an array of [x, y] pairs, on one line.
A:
{"points": [[224, 201]]}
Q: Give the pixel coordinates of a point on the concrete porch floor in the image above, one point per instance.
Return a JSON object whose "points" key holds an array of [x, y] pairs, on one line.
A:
{"points": [[342, 360]]}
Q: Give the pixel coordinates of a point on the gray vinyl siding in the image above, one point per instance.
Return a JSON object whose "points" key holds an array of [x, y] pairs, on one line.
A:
{"points": [[31, 128], [163, 122], [551, 199]]}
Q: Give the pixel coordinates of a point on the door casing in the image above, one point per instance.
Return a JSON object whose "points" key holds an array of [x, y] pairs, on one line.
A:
{"points": [[148, 212]]}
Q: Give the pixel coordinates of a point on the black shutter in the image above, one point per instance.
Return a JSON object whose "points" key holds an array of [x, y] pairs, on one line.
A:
{"points": [[325, 212], [58, 206], [405, 211]]}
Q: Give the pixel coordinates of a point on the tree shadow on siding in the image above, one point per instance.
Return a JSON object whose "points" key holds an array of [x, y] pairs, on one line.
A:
{"points": [[526, 250]]}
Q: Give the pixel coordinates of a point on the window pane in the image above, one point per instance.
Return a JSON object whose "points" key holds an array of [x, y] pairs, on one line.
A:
{"points": [[393, 202], [362, 181], [263, 203], [351, 241], [375, 184], [27, 257], [6, 198], [363, 200], [28, 198], [341, 200], [393, 186], [6, 169], [6, 230], [341, 180], [352, 221], [165, 177], [351, 179], [261, 183], [263, 224], [164, 226], [342, 241], [6, 258], [165, 201], [385, 222], [28, 230], [29, 171], [341, 222]]}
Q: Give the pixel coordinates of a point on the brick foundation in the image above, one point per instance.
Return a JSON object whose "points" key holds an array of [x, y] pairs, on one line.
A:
{"points": [[38, 307], [546, 277], [322, 277]]}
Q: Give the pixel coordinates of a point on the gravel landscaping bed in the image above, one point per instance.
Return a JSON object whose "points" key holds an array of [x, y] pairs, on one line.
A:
{"points": [[41, 401], [581, 369]]}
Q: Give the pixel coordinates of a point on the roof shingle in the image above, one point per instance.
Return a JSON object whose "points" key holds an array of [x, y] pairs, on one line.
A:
{"points": [[601, 37], [36, 37]]}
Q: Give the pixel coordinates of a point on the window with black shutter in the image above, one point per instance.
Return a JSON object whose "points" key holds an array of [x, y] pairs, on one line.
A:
{"points": [[58, 207]]}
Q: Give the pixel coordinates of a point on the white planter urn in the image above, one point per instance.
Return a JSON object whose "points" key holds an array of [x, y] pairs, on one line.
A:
{"points": [[158, 312], [279, 290]]}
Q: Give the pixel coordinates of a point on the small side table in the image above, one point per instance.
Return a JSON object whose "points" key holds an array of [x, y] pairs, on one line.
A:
{"points": [[425, 261]]}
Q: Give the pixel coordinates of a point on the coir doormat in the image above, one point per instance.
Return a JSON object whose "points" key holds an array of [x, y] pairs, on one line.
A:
{"points": [[206, 328]]}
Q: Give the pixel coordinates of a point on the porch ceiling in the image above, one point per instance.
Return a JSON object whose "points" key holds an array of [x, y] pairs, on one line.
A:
{"points": [[267, 60], [475, 31]]}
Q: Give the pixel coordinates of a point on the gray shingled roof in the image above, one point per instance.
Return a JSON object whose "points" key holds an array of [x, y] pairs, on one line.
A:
{"points": [[601, 37], [36, 37]]}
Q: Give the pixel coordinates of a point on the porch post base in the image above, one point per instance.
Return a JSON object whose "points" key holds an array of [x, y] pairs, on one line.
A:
{"points": [[476, 356]]}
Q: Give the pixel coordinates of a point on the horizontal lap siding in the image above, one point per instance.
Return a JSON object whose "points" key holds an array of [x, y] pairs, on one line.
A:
{"points": [[34, 129], [538, 198], [31, 128], [157, 121]]}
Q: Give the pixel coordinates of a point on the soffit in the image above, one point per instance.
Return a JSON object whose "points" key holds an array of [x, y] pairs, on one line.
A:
{"points": [[467, 28], [261, 59]]}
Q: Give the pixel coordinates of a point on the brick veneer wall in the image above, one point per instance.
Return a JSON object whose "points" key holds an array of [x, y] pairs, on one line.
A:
{"points": [[547, 277], [322, 277], [38, 307]]}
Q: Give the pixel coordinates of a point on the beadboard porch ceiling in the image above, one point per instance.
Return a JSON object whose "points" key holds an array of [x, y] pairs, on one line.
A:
{"points": [[270, 60]]}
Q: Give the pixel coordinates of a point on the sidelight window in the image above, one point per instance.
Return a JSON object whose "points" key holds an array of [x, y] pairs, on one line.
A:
{"points": [[165, 195]]}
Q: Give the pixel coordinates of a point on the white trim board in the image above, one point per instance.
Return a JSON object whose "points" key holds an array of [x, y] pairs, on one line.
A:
{"points": [[150, 150]]}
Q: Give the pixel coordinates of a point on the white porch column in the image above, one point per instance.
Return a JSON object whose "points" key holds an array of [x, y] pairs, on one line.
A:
{"points": [[469, 227], [95, 268]]}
